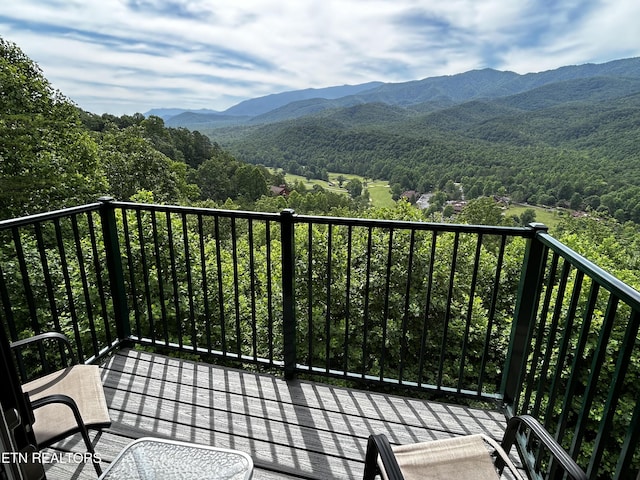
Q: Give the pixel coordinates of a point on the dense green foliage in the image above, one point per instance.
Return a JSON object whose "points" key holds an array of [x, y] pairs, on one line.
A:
{"points": [[46, 157], [569, 144], [54, 155]]}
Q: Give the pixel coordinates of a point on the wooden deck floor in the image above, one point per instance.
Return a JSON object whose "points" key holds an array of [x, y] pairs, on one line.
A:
{"points": [[295, 429]]}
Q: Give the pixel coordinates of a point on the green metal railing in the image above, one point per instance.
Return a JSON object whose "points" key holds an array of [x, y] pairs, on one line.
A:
{"points": [[581, 358], [494, 314], [53, 277], [397, 302]]}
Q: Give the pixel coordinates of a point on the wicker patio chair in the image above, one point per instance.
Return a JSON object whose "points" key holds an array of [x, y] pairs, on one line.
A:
{"points": [[66, 401], [473, 456]]}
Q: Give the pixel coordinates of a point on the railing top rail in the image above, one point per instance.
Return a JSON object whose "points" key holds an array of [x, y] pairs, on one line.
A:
{"points": [[196, 210], [624, 292], [527, 232], [43, 217]]}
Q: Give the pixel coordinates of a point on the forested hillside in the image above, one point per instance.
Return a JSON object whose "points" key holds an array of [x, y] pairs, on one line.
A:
{"points": [[572, 143], [54, 155]]}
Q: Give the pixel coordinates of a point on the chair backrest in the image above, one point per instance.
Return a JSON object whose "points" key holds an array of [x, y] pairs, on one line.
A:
{"points": [[467, 456], [42, 354]]}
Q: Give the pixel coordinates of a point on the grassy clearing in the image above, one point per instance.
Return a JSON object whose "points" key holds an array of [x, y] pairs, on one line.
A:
{"points": [[380, 194], [309, 184], [549, 216], [379, 190]]}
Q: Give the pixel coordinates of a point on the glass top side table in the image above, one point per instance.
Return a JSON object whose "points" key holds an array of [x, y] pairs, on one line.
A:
{"points": [[159, 459]]}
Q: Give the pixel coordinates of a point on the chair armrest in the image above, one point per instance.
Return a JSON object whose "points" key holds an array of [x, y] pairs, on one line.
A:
{"points": [[553, 447], [379, 446], [82, 428], [60, 398], [59, 337]]}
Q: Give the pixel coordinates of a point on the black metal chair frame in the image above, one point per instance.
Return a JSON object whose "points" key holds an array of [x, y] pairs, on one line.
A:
{"points": [[60, 398], [379, 446]]}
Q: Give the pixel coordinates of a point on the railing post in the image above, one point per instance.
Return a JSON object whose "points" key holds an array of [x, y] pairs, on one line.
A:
{"points": [[524, 316], [287, 234], [114, 265]]}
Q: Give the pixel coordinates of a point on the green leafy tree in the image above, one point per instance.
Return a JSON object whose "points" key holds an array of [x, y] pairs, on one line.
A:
{"points": [[448, 211], [354, 187], [250, 183], [396, 191], [528, 216], [452, 190], [482, 211], [132, 164], [438, 199], [278, 178], [47, 159], [576, 202], [222, 177], [213, 177]]}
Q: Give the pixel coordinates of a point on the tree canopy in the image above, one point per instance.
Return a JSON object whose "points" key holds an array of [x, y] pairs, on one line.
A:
{"points": [[568, 146], [47, 158], [53, 154]]}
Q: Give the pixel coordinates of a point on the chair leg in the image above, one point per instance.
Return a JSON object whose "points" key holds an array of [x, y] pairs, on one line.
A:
{"points": [[68, 401], [90, 449], [371, 461]]}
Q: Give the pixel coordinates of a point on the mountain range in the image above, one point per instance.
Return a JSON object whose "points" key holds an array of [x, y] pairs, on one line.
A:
{"points": [[429, 94], [565, 137]]}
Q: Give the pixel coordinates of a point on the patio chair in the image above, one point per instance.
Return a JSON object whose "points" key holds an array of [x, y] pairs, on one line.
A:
{"points": [[66, 401], [462, 457]]}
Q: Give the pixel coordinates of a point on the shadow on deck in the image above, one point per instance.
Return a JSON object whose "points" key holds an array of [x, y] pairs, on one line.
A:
{"points": [[292, 429]]}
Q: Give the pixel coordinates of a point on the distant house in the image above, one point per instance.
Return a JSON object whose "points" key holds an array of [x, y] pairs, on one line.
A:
{"points": [[423, 201], [504, 201], [279, 191], [579, 214], [410, 195], [458, 205]]}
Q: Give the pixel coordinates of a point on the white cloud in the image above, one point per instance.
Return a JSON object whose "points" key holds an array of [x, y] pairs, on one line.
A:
{"points": [[607, 31], [202, 53]]}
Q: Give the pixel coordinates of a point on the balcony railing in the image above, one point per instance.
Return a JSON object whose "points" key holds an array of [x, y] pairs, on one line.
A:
{"points": [[503, 315]]}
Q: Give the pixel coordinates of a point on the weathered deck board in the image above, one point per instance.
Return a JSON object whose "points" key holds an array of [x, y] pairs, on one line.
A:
{"points": [[295, 429]]}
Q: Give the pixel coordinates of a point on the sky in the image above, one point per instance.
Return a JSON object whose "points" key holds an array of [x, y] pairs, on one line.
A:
{"points": [[127, 56]]}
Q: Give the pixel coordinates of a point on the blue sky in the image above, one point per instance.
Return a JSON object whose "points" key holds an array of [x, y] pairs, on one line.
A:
{"points": [[127, 56]]}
